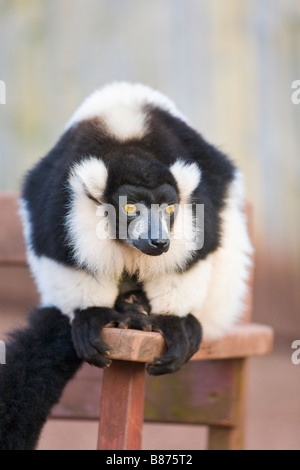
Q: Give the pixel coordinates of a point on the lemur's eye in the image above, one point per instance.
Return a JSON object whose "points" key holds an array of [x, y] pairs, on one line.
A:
{"points": [[130, 209], [170, 209]]}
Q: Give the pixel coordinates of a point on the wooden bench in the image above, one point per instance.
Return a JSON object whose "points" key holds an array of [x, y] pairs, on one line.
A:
{"points": [[209, 390]]}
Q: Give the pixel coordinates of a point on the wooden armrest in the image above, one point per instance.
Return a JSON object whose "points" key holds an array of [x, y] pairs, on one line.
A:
{"points": [[139, 346]]}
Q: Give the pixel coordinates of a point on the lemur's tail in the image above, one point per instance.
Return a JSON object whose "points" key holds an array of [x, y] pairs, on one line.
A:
{"points": [[40, 360]]}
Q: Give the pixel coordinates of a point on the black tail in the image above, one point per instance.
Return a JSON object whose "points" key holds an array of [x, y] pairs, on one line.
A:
{"points": [[40, 360]]}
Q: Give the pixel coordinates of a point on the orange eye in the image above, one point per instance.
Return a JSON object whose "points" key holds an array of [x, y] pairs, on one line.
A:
{"points": [[130, 209], [170, 209]]}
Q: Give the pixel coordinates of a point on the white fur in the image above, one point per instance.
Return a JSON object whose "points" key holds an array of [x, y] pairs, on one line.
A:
{"points": [[179, 293], [91, 175], [187, 176], [101, 256], [224, 303], [69, 289], [63, 287], [120, 106]]}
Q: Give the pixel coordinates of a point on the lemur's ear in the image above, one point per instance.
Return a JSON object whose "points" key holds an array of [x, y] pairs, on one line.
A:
{"points": [[89, 176], [188, 177]]}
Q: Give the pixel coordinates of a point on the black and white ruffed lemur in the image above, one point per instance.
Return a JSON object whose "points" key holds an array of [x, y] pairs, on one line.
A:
{"points": [[129, 149]]}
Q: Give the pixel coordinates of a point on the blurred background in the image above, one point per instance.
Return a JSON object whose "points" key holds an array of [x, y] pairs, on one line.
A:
{"points": [[229, 67]]}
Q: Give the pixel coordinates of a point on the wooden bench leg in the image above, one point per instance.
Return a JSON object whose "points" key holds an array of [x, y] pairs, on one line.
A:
{"points": [[225, 438], [122, 406], [231, 437]]}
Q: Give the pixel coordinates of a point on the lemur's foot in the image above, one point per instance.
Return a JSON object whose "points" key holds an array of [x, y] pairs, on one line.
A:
{"points": [[135, 308], [183, 337], [86, 334]]}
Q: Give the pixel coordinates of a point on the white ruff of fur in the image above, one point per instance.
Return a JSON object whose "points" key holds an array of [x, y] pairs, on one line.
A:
{"points": [[121, 106], [214, 289], [188, 177], [66, 288], [224, 302]]}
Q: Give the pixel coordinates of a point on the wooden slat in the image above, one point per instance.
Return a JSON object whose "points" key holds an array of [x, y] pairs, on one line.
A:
{"points": [[242, 341], [12, 247], [231, 437], [202, 392], [122, 407]]}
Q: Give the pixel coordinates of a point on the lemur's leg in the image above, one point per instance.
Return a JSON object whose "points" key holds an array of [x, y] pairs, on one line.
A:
{"points": [[40, 360]]}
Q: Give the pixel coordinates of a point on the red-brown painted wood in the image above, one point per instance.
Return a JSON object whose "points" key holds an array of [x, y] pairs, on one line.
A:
{"points": [[241, 341], [232, 437], [122, 407], [12, 247]]}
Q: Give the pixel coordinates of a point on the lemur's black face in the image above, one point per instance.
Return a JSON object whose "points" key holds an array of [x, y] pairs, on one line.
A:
{"points": [[144, 217]]}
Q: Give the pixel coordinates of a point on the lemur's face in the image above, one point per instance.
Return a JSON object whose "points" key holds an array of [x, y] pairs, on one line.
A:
{"points": [[145, 217]]}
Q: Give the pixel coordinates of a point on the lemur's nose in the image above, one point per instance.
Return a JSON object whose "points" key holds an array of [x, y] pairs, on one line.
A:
{"points": [[161, 243]]}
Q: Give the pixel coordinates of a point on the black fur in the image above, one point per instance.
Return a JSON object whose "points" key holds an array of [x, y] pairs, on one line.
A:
{"points": [[183, 337], [40, 361]]}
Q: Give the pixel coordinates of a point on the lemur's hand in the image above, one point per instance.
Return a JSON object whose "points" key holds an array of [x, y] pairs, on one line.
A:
{"points": [[183, 337], [86, 334], [89, 323]]}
